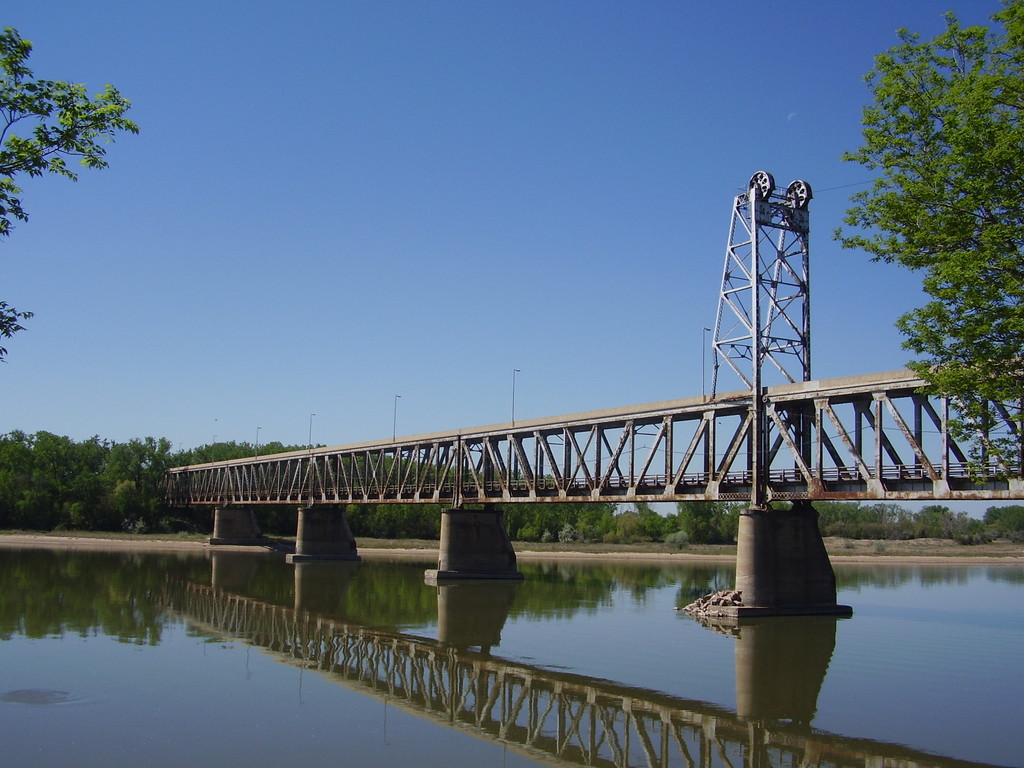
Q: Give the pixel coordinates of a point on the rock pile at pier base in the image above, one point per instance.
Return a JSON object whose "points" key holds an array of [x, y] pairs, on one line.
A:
{"points": [[712, 605]]}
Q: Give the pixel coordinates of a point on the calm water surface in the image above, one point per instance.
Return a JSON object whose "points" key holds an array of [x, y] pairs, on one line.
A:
{"points": [[239, 659]]}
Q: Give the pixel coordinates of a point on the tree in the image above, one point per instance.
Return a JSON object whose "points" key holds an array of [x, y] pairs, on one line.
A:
{"points": [[652, 525], [134, 473], [945, 134], [708, 522], [43, 124], [10, 323], [940, 522], [1008, 520]]}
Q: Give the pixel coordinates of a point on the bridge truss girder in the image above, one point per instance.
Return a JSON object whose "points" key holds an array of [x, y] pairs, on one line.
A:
{"points": [[862, 438]]}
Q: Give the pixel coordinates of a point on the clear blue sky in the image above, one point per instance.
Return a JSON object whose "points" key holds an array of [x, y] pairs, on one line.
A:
{"points": [[331, 203]]}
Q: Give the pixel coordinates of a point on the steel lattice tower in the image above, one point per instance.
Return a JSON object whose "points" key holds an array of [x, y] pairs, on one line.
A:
{"points": [[764, 306]]}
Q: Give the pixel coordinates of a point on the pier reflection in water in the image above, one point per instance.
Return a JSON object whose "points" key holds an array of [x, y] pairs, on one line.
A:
{"points": [[469, 658], [470, 615]]}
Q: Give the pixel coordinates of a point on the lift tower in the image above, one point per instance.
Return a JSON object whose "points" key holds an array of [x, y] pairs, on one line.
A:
{"points": [[763, 329], [764, 307]]}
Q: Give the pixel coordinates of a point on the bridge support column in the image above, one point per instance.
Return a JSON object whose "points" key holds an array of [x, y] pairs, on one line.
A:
{"points": [[474, 545], [782, 568], [237, 526], [323, 534]]}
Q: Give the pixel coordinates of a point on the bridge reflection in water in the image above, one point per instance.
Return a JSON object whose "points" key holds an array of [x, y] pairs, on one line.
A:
{"points": [[541, 713]]}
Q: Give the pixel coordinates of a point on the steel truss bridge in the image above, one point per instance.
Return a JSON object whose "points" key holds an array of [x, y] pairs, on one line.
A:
{"points": [[868, 437], [555, 717]]}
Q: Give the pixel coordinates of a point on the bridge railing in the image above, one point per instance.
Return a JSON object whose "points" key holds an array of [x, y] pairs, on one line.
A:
{"points": [[866, 437]]}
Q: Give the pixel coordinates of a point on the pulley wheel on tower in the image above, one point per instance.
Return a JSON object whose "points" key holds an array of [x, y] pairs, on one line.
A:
{"points": [[798, 194], [763, 184]]}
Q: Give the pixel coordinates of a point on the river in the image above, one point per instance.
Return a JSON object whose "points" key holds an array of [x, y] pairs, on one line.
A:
{"points": [[227, 658]]}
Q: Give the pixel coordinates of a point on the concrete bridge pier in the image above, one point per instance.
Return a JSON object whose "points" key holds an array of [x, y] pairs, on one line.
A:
{"points": [[322, 533], [782, 568], [474, 545], [237, 526]]}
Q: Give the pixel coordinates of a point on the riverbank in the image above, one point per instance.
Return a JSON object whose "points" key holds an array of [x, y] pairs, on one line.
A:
{"points": [[840, 550]]}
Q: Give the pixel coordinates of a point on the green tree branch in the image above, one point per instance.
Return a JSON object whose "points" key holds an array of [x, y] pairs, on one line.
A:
{"points": [[43, 125], [946, 135]]}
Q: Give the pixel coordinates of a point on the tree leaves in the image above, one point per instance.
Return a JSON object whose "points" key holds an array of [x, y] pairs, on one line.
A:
{"points": [[43, 125], [946, 134], [10, 323]]}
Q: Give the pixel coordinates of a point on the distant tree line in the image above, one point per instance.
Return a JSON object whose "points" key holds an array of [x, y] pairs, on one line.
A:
{"points": [[855, 520], [49, 482]]}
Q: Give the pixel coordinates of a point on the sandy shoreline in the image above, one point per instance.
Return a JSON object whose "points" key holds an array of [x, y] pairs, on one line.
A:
{"points": [[901, 553]]}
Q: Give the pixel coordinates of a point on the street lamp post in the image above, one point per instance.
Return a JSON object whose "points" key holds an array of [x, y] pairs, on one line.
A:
{"points": [[703, 357], [311, 431], [514, 372], [258, 440], [394, 420]]}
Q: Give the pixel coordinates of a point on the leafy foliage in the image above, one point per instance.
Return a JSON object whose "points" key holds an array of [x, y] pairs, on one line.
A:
{"points": [[10, 323], [49, 481], [709, 522], [395, 521], [1006, 521], [43, 125], [945, 134], [854, 520]]}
